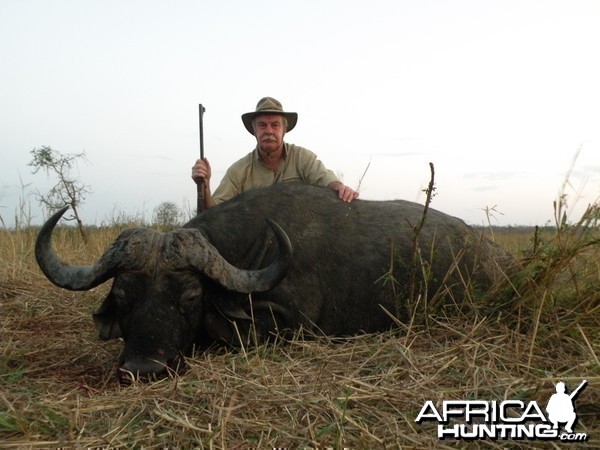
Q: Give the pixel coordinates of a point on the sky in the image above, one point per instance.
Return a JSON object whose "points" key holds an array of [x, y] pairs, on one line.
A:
{"points": [[503, 97]]}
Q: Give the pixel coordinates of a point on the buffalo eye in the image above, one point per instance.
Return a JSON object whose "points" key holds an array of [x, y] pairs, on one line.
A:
{"points": [[190, 297], [120, 297]]}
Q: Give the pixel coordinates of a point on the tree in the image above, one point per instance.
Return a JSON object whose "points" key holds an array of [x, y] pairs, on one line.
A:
{"points": [[167, 215], [68, 190]]}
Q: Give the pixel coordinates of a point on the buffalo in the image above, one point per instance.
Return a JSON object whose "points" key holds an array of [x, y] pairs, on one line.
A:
{"points": [[273, 259]]}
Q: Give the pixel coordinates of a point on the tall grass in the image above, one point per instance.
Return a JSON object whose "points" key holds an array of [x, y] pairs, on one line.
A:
{"points": [[58, 386]]}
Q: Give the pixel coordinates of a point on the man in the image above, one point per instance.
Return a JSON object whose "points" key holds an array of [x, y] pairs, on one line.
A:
{"points": [[272, 161], [560, 408]]}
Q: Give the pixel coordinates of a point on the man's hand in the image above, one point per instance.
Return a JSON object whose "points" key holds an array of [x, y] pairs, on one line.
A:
{"points": [[201, 171], [201, 174], [345, 193]]}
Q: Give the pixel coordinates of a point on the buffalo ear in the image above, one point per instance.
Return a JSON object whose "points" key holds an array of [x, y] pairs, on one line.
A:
{"points": [[219, 327], [232, 312], [106, 319]]}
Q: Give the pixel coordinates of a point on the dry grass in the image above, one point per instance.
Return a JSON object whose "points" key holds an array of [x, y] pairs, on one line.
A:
{"points": [[58, 386]]}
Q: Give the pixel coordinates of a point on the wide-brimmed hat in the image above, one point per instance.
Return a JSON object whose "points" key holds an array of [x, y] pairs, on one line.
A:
{"points": [[269, 105]]}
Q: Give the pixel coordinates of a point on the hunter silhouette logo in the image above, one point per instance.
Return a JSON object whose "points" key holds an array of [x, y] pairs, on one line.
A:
{"points": [[507, 419], [560, 406]]}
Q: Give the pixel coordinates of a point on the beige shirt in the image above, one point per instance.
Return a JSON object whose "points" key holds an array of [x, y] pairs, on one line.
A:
{"points": [[299, 164]]}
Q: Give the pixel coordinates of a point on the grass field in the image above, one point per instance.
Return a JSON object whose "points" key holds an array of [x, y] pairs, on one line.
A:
{"points": [[58, 386]]}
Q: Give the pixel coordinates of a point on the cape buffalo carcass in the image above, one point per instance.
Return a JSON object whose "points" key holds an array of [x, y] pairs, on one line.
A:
{"points": [[175, 291]]}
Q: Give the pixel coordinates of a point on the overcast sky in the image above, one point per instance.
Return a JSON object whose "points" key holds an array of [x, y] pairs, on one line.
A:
{"points": [[499, 95]]}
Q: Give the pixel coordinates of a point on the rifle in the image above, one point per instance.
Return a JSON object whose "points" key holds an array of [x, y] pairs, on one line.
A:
{"points": [[576, 391], [200, 184]]}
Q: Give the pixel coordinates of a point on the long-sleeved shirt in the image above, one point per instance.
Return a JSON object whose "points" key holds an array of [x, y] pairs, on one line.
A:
{"points": [[298, 164]]}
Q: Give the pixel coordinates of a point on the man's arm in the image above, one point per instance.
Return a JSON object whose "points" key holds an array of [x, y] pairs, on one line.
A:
{"points": [[316, 173], [345, 193]]}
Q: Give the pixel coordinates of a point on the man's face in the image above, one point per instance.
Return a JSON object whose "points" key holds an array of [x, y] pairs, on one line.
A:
{"points": [[269, 131]]}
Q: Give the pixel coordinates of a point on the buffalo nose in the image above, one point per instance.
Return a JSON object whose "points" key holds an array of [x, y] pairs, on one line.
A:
{"points": [[142, 369]]}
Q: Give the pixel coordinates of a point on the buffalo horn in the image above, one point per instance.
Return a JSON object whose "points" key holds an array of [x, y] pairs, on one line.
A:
{"points": [[72, 277], [128, 252], [206, 258]]}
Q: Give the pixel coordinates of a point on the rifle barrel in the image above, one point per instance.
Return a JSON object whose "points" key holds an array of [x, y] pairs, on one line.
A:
{"points": [[576, 391], [201, 111], [200, 185]]}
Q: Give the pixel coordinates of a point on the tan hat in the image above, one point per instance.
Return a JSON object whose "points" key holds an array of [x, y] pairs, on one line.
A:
{"points": [[268, 105]]}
